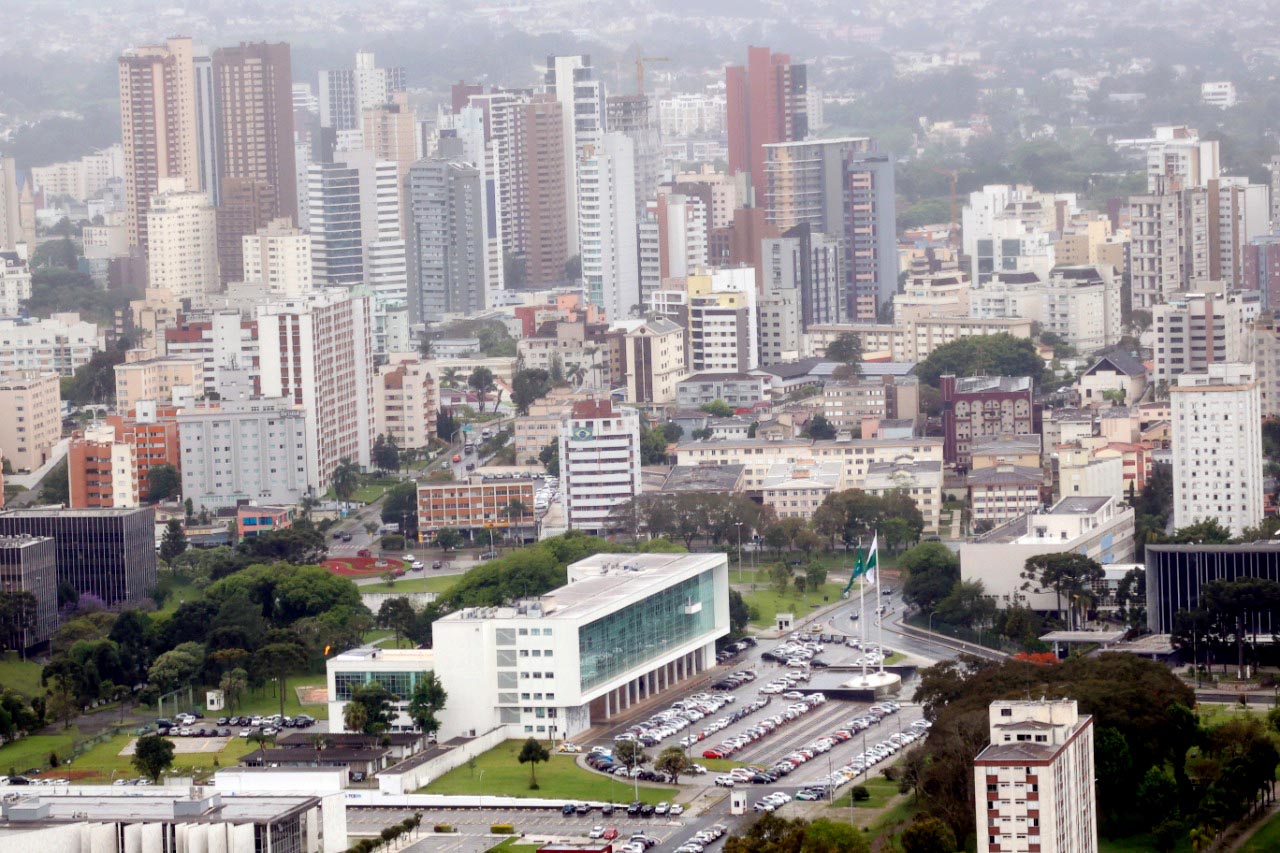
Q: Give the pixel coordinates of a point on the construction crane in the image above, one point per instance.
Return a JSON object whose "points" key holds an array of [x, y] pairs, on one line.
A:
{"points": [[953, 235], [640, 64]]}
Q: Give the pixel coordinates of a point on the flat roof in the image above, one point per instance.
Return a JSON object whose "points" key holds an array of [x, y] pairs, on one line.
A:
{"points": [[44, 512], [1078, 505], [604, 581], [703, 478], [1104, 637], [137, 808]]}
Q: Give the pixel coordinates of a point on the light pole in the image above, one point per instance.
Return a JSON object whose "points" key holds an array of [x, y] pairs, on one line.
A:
{"points": [[738, 524]]}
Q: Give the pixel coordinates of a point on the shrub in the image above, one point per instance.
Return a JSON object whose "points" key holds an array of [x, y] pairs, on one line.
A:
{"points": [[860, 793], [442, 827], [393, 542], [502, 829]]}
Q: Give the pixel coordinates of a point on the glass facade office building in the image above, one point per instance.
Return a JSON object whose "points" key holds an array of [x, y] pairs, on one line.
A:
{"points": [[1177, 573], [627, 639]]}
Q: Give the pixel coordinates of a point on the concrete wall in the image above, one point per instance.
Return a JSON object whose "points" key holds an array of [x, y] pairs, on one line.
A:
{"points": [[392, 781], [418, 600]]}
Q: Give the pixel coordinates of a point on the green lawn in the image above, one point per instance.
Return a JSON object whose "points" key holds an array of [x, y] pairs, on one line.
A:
{"points": [[178, 593], [718, 765], [880, 788], [560, 778], [1266, 839], [32, 753], [105, 759], [21, 675], [439, 583], [265, 700], [767, 602], [510, 845], [1143, 843]]}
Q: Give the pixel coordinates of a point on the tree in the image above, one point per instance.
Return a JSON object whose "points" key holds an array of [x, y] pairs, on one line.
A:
{"points": [[56, 487], [233, 685], [967, 604], [152, 755], [772, 834], [630, 754], [739, 614], [1069, 576], [385, 454], [428, 700], [932, 569], [533, 753], [1237, 606], [448, 538], [174, 541], [481, 381], [653, 446], [983, 355], [400, 506], [398, 615], [528, 386], [820, 429], [549, 456], [376, 701], [718, 409], [928, 835], [355, 717], [446, 424], [846, 349], [164, 482], [276, 660], [673, 762], [17, 614], [177, 667], [260, 739], [345, 479]]}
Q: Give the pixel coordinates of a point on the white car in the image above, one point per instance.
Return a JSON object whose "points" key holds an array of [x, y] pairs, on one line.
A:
{"points": [[676, 810], [596, 832]]}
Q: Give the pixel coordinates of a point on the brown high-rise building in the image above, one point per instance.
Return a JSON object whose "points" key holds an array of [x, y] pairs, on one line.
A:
{"points": [[245, 208], [253, 88], [158, 126], [765, 103], [542, 222]]}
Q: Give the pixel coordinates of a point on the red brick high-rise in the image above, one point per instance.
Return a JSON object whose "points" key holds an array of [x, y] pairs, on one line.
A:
{"points": [[765, 103]]}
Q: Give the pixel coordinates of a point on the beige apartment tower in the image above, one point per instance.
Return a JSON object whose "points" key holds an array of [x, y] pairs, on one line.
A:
{"points": [[158, 126], [33, 424]]}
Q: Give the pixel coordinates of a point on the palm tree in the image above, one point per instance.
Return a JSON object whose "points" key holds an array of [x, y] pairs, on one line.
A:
{"points": [[449, 377], [345, 479], [516, 511], [319, 741], [261, 740]]}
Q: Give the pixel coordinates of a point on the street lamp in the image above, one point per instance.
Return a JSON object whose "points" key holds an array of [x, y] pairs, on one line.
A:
{"points": [[738, 524]]}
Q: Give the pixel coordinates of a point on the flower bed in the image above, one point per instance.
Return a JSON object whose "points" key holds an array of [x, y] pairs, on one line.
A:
{"points": [[363, 567]]}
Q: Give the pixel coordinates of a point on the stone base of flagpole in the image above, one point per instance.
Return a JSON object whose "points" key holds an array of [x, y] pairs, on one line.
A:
{"points": [[876, 685]]}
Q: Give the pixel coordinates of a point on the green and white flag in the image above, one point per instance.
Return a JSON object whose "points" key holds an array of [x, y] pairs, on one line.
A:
{"points": [[873, 559]]}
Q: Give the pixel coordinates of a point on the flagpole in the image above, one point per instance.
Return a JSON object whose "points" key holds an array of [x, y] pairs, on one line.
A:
{"points": [[879, 601], [862, 612]]}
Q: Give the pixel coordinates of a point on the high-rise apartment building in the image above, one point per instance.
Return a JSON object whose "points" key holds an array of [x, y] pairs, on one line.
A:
{"points": [[354, 216], [1261, 269], [652, 359], [225, 343], [158, 124], [1177, 158], [62, 343], [15, 283], [572, 81], [318, 353], [1081, 304], [1008, 228], [1217, 447], [766, 103], [599, 463], [101, 470], [686, 114], [253, 88], [17, 210], [391, 132], [672, 240], [206, 107], [182, 246], [345, 93], [633, 115], [843, 188], [1034, 785], [107, 553], [977, 407], [446, 244], [543, 192], [607, 225], [246, 206], [278, 258], [1199, 329], [245, 450], [803, 285], [32, 403], [1155, 226], [1239, 212]]}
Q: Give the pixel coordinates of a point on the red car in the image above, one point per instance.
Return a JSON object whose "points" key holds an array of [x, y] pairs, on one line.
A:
{"points": [[363, 552], [610, 834], [713, 753]]}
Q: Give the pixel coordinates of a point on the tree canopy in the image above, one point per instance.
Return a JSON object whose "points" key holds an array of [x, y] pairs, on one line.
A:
{"points": [[983, 355]]}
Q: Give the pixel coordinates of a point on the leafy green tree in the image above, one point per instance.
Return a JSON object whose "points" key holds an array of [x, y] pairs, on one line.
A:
{"points": [[673, 762], [345, 479], [428, 700], [739, 614], [932, 569], [846, 349], [533, 753], [300, 544], [820, 429], [385, 453], [277, 660], [653, 446], [928, 835], [630, 753], [260, 739], [398, 615], [376, 701], [448, 538], [967, 604], [355, 717], [1236, 606], [446, 424], [717, 408], [549, 456], [163, 482], [233, 685], [1070, 576], [55, 488], [152, 755], [174, 541], [400, 506], [177, 667], [528, 386], [983, 355], [482, 382], [17, 614]]}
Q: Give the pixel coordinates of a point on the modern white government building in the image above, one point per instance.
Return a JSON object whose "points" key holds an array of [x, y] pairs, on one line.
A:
{"points": [[624, 628]]}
